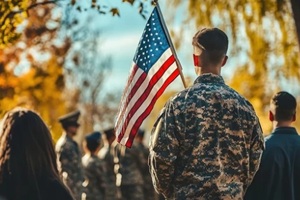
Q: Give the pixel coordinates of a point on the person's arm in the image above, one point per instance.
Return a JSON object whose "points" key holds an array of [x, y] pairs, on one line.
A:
{"points": [[256, 150], [163, 151]]}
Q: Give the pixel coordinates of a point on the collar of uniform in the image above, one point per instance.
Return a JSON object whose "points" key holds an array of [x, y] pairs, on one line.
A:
{"points": [[209, 78], [285, 130]]}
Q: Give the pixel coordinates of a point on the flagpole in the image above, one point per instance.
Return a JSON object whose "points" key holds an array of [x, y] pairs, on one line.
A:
{"points": [[170, 42]]}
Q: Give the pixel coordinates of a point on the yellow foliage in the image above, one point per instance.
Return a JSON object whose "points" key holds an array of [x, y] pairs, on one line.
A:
{"points": [[38, 90], [12, 14]]}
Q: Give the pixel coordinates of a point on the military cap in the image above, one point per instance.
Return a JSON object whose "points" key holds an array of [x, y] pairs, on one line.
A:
{"points": [[93, 137], [70, 119], [93, 140]]}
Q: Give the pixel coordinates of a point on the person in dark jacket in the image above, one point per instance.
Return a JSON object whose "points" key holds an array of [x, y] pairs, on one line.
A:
{"points": [[28, 168], [278, 177]]}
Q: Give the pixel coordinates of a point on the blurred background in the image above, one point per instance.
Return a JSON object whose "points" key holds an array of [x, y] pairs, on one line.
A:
{"points": [[57, 56]]}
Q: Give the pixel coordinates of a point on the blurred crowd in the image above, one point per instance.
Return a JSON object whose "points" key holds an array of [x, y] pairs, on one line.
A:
{"points": [[33, 168]]}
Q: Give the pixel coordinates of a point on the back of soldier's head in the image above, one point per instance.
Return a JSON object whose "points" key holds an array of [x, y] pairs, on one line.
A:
{"points": [[213, 42], [109, 134], [284, 106]]}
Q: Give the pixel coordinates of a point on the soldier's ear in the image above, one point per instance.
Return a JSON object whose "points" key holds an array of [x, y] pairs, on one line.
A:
{"points": [[271, 116], [224, 60], [294, 117]]}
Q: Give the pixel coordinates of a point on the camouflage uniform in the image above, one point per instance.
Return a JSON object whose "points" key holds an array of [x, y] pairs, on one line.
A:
{"points": [[206, 144], [95, 175], [69, 162], [106, 154], [149, 192], [131, 180]]}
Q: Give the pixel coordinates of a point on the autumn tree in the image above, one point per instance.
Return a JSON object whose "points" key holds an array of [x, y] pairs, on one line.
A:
{"points": [[15, 12], [31, 69]]}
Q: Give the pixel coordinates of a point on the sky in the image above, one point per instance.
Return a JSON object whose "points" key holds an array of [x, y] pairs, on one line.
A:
{"points": [[121, 36]]}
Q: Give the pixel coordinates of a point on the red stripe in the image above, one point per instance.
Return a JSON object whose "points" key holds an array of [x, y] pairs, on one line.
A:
{"points": [[132, 92], [145, 94], [140, 120]]}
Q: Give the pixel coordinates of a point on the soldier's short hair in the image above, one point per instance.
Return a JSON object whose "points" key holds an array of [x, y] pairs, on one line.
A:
{"points": [[213, 42], [284, 106]]}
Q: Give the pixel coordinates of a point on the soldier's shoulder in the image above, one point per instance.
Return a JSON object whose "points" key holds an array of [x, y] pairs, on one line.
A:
{"points": [[94, 162], [65, 144], [60, 142]]}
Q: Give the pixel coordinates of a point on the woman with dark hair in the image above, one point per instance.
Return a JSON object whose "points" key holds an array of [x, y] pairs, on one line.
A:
{"points": [[28, 168]]}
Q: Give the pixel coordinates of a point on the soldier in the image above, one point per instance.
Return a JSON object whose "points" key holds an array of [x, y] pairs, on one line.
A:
{"points": [[149, 192], [207, 142], [94, 168], [129, 176], [106, 154], [69, 155]]}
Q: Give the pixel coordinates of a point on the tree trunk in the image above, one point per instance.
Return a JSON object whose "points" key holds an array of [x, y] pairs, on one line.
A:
{"points": [[296, 13]]}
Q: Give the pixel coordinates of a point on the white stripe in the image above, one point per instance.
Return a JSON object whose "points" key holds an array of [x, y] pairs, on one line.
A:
{"points": [[121, 119], [127, 91], [147, 102]]}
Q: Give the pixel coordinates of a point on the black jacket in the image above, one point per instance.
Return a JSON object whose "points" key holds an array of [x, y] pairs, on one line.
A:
{"points": [[278, 177]]}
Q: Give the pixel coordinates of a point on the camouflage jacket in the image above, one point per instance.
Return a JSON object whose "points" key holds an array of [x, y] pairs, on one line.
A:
{"points": [[106, 154], [130, 161], [206, 144], [69, 162], [96, 177]]}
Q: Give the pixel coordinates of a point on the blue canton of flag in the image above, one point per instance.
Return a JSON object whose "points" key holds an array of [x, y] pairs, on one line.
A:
{"points": [[154, 68]]}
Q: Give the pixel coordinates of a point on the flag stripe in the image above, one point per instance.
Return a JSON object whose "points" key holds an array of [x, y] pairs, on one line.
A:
{"points": [[140, 99], [143, 90], [150, 107], [145, 103], [136, 78], [138, 86], [154, 68]]}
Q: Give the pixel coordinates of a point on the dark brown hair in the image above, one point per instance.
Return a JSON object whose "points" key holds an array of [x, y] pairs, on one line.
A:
{"points": [[27, 153], [213, 42], [285, 106]]}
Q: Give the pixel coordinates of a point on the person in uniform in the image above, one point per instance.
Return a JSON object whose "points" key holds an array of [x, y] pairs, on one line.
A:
{"points": [[69, 155], [106, 154], [149, 192], [129, 175], [207, 141], [94, 168], [278, 177]]}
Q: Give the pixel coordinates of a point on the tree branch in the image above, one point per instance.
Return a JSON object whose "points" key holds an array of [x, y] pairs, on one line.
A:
{"points": [[13, 13]]}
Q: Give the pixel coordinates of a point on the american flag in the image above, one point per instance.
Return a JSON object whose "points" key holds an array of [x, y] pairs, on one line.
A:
{"points": [[154, 68]]}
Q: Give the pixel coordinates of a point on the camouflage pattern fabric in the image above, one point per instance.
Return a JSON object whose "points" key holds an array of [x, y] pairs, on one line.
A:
{"points": [[206, 144], [70, 167], [106, 155], [130, 173], [149, 192], [96, 177]]}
